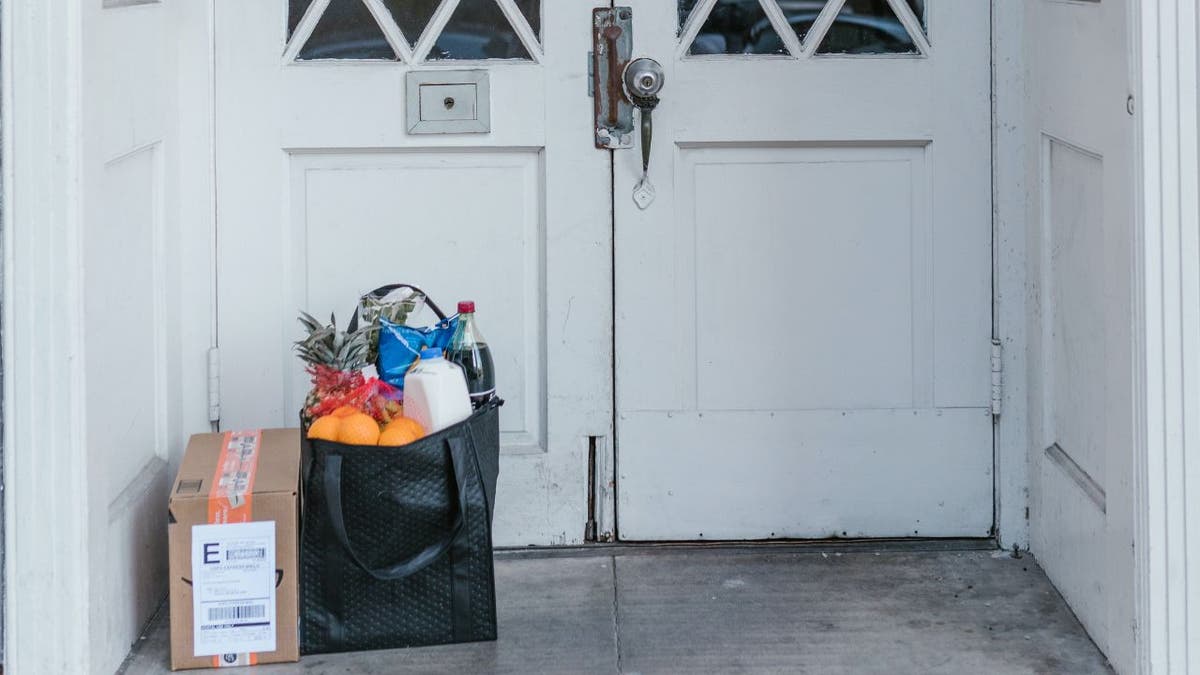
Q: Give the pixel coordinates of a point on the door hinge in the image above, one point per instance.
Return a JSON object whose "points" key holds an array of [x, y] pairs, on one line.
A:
{"points": [[997, 377], [214, 385]]}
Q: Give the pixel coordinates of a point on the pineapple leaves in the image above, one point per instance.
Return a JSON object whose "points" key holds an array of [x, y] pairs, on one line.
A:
{"points": [[325, 345]]}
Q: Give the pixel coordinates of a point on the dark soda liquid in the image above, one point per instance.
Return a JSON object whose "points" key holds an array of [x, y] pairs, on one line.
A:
{"points": [[477, 366]]}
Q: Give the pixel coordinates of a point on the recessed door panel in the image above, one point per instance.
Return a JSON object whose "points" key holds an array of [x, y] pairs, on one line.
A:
{"points": [[355, 215]]}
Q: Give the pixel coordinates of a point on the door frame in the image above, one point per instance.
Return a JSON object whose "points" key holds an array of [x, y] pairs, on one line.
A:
{"points": [[1166, 40], [47, 603], [1011, 186]]}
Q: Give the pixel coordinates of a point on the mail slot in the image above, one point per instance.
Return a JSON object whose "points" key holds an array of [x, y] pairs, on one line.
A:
{"points": [[448, 102]]}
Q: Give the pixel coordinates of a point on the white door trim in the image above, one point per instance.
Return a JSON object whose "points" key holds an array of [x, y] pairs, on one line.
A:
{"points": [[46, 464], [1010, 198], [1167, 311]]}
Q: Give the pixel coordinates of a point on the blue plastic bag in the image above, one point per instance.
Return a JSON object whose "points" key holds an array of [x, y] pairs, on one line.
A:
{"points": [[400, 346]]}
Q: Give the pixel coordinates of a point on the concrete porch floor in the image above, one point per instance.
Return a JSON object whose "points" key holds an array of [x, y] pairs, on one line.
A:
{"points": [[771, 609]]}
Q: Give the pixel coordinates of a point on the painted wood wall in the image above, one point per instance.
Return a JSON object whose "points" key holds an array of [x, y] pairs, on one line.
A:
{"points": [[1080, 172]]}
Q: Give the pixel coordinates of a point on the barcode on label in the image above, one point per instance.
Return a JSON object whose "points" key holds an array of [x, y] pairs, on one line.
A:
{"points": [[237, 612], [246, 554]]}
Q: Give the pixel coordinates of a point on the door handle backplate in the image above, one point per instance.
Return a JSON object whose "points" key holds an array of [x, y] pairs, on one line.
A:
{"points": [[612, 49]]}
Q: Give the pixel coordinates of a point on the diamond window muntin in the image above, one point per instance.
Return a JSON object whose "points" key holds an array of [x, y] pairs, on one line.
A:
{"points": [[803, 28], [414, 31]]}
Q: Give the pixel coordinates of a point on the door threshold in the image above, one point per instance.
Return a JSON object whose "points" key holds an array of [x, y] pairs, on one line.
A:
{"points": [[632, 548]]}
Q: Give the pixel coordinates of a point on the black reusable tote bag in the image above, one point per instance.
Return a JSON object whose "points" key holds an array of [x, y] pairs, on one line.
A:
{"points": [[396, 543]]}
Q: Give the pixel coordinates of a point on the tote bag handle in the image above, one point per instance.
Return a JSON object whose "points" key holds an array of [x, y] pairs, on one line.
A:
{"points": [[431, 553], [382, 292]]}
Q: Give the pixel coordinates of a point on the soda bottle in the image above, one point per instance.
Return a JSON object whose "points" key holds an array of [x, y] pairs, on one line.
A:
{"points": [[469, 350]]}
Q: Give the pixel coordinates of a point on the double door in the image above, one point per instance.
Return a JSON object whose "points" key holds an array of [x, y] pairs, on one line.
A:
{"points": [[791, 338]]}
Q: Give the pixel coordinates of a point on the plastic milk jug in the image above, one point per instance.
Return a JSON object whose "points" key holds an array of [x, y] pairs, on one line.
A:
{"points": [[435, 392]]}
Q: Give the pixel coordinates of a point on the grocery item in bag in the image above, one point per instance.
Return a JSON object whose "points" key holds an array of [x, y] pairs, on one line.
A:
{"points": [[400, 346], [394, 302], [470, 351], [436, 392]]}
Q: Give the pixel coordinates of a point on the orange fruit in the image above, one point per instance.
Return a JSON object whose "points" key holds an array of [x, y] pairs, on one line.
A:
{"points": [[401, 431], [345, 411], [325, 428], [406, 423], [358, 429]]}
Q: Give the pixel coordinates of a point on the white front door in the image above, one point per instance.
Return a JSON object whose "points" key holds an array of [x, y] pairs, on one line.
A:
{"points": [[1083, 146], [323, 194], [804, 312]]}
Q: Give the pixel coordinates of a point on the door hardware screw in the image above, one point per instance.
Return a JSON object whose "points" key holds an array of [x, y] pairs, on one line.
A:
{"points": [[1129, 104], [449, 102]]}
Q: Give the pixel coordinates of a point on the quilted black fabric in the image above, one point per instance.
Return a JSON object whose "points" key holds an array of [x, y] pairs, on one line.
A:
{"points": [[395, 503]]}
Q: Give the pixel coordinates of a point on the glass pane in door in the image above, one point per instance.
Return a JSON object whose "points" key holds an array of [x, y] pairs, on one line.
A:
{"points": [[532, 10], [918, 8], [870, 27], [296, 9], [412, 16], [478, 30], [347, 30], [733, 27]]}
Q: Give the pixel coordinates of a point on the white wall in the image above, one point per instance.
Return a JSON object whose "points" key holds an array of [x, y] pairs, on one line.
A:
{"points": [[145, 294], [107, 313], [1079, 148]]}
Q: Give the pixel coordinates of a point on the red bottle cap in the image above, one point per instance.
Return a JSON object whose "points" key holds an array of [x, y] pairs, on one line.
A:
{"points": [[466, 307]]}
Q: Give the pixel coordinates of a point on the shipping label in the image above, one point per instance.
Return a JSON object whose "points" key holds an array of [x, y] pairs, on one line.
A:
{"points": [[233, 588]]}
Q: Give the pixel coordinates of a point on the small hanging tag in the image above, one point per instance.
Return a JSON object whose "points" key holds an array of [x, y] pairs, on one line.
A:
{"points": [[643, 193]]}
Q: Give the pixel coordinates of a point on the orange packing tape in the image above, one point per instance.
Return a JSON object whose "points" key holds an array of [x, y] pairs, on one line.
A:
{"points": [[231, 500], [231, 497]]}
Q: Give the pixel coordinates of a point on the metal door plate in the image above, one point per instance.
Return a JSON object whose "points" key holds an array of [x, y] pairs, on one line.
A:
{"points": [[612, 49], [448, 102]]}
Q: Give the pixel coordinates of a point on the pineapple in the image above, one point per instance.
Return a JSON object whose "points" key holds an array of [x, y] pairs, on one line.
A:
{"points": [[335, 361]]}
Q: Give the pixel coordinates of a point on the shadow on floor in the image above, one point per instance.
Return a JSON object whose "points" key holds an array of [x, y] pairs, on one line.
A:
{"points": [[746, 610]]}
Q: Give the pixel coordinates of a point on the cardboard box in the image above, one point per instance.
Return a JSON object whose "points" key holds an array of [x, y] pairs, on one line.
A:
{"points": [[232, 489]]}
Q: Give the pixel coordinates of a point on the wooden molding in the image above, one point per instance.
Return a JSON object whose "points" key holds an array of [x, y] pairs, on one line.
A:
{"points": [[1167, 319], [46, 464]]}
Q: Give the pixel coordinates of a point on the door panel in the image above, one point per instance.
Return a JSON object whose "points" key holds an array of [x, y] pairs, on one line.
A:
{"points": [[323, 194], [760, 474], [1083, 147], [340, 200], [863, 247], [132, 321], [817, 263]]}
